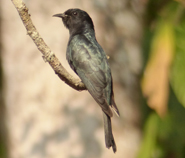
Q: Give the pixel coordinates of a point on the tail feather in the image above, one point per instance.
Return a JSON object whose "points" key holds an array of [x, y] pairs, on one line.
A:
{"points": [[113, 105], [109, 139]]}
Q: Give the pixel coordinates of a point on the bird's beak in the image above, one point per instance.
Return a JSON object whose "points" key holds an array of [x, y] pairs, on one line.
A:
{"points": [[62, 15]]}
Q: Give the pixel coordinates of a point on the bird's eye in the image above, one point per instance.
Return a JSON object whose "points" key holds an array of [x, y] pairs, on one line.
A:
{"points": [[74, 13]]}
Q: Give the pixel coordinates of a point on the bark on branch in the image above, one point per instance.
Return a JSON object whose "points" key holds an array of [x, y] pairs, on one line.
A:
{"points": [[48, 55]]}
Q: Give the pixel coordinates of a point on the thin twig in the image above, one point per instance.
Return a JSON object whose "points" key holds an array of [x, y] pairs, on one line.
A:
{"points": [[48, 55]]}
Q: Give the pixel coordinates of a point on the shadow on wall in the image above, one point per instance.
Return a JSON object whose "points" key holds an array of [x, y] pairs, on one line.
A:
{"points": [[86, 124]]}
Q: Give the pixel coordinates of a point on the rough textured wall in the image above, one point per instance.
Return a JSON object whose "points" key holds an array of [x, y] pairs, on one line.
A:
{"points": [[45, 117]]}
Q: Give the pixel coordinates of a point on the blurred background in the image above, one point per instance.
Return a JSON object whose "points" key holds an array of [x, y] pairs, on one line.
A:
{"points": [[42, 117]]}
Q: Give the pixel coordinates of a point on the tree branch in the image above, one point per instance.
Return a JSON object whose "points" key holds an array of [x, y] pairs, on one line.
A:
{"points": [[48, 55]]}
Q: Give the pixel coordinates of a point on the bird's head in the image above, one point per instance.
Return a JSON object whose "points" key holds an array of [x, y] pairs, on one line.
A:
{"points": [[76, 20]]}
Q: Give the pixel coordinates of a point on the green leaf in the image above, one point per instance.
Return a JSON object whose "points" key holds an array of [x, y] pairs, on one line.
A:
{"points": [[178, 68], [155, 82], [148, 145]]}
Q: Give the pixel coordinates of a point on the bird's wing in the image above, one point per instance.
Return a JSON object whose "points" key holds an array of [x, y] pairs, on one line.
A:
{"points": [[92, 68]]}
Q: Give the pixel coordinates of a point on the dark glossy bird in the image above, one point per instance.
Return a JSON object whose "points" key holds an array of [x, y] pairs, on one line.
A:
{"points": [[89, 61]]}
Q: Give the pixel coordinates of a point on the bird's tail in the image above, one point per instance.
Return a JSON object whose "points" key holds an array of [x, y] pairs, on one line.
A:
{"points": [[109, 139]]}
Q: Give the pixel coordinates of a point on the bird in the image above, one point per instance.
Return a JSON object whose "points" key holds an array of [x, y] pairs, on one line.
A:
{"points": [[88, 60]]}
